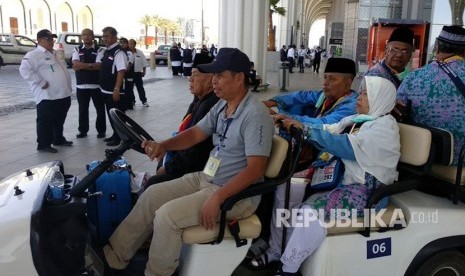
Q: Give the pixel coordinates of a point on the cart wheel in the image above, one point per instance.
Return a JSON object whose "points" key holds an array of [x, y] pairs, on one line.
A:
{"points": [[447, 263]]}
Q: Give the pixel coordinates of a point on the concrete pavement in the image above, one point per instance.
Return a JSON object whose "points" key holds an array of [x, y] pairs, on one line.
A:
{"points": [[168, 97]]}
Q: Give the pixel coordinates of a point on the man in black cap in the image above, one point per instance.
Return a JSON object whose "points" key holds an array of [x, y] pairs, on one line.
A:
{"points": [[177, 163], [397, 55], [326, 106], [437, 97], [242, 132], [50, 83]]}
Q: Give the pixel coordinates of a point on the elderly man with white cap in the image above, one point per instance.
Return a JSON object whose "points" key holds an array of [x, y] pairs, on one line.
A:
{"points": [[436, 91]]}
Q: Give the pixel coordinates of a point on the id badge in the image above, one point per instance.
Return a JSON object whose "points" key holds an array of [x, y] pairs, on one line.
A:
{"points": [[212, 166]]}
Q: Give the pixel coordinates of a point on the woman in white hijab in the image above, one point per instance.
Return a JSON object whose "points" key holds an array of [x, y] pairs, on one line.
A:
{"points": [[370, 153]]}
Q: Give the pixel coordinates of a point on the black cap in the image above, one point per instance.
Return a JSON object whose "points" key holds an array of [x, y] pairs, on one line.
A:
{"points": [[340, 65], [45, 34], [228, 59], [402, 34], [201, 59], [452, 34]]}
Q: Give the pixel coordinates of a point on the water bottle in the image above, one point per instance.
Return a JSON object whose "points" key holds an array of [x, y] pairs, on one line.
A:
{"points": [[57, 185]]}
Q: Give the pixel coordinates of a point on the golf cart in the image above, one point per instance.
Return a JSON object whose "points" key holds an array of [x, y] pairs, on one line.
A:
{"points": [[42, 235], [418, 234]]}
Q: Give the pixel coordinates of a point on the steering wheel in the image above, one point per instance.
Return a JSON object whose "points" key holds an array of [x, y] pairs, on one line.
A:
{"points": [[128, 130]]}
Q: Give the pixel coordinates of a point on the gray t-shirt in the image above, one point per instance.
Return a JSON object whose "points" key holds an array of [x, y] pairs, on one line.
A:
{"points": [[250, 133]]}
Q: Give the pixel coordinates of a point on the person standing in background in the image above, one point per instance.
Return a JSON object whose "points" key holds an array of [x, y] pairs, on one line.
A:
{"points": [[130, 100], [50, 83], [113, 65], [290, 57], [213, 51], [140, 65], [301, 56], [283, 53], [188, 56], [317, 60], [176, 59], [87, 86]]}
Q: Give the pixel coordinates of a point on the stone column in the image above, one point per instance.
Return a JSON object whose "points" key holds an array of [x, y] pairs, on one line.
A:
{"points": [[243, 26]]}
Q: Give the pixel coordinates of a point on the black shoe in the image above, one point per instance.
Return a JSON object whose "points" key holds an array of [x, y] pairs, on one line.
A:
{"points": [[101, 135], [109, 139], [113, 143], [81, 135], [48, 149], [64, 143]]}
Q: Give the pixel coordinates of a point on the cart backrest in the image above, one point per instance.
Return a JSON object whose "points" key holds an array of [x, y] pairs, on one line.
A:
{"points": [[278, 155]]}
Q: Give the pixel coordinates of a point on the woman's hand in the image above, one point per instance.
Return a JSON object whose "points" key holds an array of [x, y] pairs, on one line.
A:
{"points": [[270, 103], [288, 123], [277, 117], [161, 171], [153, 149]]}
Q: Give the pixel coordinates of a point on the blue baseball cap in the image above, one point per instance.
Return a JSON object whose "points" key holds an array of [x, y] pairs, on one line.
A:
{"points": [[228, 59]]}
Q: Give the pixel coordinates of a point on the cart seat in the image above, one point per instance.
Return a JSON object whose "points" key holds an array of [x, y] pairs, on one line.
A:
{"points": [[449, 176], [442, 168], [249, 227], [447, 173]]}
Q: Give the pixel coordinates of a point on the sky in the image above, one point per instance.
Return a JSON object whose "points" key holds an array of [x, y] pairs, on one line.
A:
{"points": [[317, 30], [125, 18]]}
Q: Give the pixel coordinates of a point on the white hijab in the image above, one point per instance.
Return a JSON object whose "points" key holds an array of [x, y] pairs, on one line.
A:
{"points": [[381, 98], [377, 144]]}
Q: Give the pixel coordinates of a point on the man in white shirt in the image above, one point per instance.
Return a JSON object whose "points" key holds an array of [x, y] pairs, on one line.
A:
{"points": [[50, 83], [113, 63], [140, 63], [290, 58]]}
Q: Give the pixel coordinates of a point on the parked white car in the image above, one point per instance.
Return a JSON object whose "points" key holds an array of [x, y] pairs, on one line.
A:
{"points": [[68, 41], [13, 47]]}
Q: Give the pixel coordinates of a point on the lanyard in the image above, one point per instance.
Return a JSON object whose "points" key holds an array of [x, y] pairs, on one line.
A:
{"points": [[455, 79], [222, 136], [322, 110]]}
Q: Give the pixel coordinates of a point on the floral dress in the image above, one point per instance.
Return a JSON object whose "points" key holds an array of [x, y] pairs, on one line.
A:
{"points": [[349, 197]]}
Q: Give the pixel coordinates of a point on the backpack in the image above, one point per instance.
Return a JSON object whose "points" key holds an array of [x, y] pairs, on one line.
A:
{"points": [[187, 56]]}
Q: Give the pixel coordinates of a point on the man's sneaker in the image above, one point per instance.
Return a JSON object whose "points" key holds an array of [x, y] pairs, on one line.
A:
{"points": [[146, 104], [81, 135], [109, 139], [48, 149], [101, 135]]}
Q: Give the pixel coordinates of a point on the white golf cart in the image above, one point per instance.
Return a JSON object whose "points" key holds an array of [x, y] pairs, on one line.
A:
{"points": [[426, 236]]}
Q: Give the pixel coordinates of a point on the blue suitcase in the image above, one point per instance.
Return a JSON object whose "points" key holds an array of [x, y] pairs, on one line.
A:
{"points": [[111, 200]]}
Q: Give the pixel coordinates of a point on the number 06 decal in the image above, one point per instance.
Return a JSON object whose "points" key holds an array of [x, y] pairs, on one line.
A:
{"points": [[378, 248]]}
